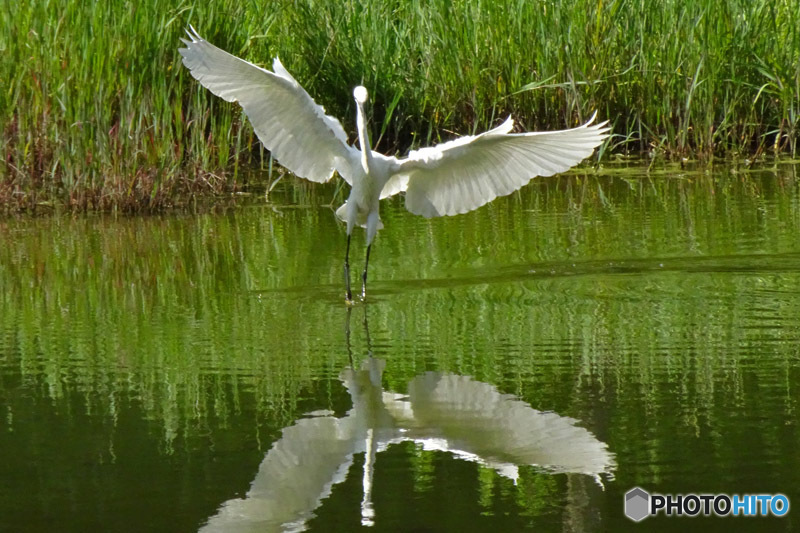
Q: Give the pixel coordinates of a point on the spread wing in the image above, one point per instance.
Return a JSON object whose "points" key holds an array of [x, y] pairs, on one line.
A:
{"points": [[286, 119], [464, 174]]}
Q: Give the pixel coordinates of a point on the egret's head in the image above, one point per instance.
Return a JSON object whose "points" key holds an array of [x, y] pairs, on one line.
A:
{"points": [[360, 94]]}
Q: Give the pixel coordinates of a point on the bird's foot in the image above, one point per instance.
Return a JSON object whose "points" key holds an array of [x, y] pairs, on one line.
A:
{"points": [[364, 286]]}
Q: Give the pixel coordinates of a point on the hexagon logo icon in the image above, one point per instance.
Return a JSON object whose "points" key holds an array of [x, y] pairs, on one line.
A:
{"points": [[637, 504]]}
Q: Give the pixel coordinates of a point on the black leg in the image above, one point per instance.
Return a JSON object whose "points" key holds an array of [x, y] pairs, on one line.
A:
{"points": [[347, 294], [347, 336], [364, 276], [366, 330]]}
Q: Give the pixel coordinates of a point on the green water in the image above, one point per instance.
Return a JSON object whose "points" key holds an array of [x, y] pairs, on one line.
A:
{"points": [[646, 328]]}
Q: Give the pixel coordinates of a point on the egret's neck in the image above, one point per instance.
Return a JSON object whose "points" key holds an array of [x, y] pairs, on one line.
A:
{"points": [[363, 138]]}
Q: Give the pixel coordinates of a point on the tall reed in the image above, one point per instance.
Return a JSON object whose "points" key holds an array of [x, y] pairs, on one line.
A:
{"points": [[96, 109]]}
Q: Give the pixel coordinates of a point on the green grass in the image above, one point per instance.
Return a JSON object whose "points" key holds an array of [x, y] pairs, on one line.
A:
{"points": [[96, 110]]}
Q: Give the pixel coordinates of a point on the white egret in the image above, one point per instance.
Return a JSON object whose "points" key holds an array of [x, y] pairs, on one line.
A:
{"points": [[447, 179]]}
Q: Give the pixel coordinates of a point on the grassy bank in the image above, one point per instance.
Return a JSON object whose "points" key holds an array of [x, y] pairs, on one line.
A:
{"points": [[97, 111]]}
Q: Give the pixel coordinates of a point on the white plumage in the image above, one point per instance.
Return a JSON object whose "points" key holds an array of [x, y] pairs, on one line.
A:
{"points": [[447, 179]]}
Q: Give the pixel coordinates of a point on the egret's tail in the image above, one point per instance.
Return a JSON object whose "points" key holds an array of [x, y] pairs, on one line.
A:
{"points": [[361, 219]]}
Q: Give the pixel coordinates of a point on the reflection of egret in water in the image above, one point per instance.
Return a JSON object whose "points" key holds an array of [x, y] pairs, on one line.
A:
{"points": [[456, 414], [475, 421]]}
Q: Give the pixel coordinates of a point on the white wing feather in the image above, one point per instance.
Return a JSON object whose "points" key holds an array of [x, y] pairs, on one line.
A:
{"points": [[464, 174], [286, 119]]}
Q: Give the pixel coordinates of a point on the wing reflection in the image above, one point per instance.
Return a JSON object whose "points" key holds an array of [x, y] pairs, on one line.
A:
{"points": [[447, 412], [475, 421], [296, 474]]}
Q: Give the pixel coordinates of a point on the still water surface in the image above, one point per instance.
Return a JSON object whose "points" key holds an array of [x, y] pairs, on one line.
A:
{"points": [[517, 368]]}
